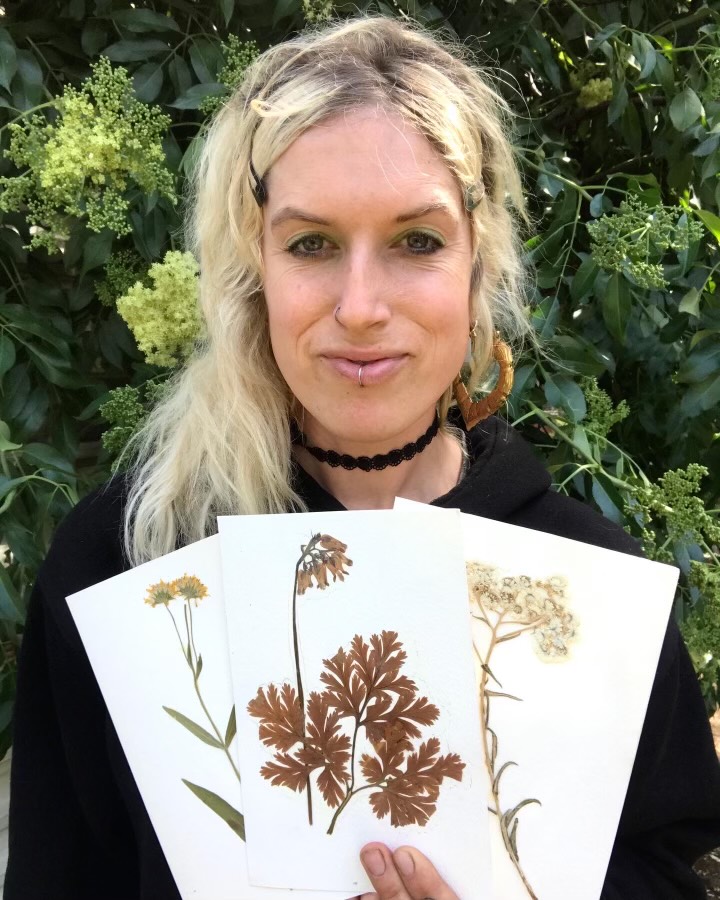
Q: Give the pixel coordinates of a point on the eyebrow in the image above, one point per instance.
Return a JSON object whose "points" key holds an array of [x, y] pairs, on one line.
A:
{"points": [[293, 213]]}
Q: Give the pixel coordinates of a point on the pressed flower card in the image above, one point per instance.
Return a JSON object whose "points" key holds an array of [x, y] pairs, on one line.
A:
{"points": [[156, 639], [567, 638], [351, 654]]}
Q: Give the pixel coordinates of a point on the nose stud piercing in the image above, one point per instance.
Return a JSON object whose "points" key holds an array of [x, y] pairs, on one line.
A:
{"points": [[360, 376]]}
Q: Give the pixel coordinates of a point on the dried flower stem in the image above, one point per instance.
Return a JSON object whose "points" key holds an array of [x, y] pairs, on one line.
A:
{"points": [[306, 552], [489, 736], [195, 665]]}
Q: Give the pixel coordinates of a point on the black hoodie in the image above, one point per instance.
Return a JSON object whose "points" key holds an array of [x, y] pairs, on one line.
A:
{"points": [[78, 826]]}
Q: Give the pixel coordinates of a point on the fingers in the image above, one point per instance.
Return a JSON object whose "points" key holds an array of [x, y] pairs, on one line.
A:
{"points": [[403, 875]]}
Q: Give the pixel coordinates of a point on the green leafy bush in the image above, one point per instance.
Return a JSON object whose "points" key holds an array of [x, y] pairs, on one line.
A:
{"points": [[102, 110]]}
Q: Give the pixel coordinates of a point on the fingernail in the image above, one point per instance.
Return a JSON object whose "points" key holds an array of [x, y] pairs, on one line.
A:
{"points": [[374, 862], [404, 862]]}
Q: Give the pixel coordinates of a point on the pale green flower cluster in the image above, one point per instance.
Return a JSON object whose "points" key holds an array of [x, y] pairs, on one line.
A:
{"points": [[593, 86], [238, 56], [601, 414], [317, 11], [165, 318], [595, 92], [635, 238], [80, 164], [122, 270], [534, 604], [674, 499]]}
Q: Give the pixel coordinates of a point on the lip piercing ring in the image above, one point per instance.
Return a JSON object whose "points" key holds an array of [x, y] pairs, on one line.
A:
{"points": [[360, 376], [335, 314]]}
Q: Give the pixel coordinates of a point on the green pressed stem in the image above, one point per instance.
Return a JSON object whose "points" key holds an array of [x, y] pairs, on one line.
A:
{"points": [[348, 797], [191, 659]]}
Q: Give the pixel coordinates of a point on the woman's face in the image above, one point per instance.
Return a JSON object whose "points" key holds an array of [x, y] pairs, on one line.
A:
{"points": [[367, 256]]}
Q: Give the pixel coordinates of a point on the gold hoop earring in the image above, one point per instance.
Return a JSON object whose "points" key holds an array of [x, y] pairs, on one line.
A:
{"points": [[474, 412]]}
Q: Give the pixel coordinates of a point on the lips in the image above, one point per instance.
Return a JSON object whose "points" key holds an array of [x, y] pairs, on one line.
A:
{"points": [[375, 370]]}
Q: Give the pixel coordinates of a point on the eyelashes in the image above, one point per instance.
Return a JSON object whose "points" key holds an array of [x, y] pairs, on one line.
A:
{"points": [[317, 246]]}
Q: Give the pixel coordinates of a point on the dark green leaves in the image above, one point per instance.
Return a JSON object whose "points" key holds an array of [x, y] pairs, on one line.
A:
{"points": [[8, 58], [616, 304], [685, 109], [563, 393], [135, 50], [193, 97], [144, 20], [147, 81]]}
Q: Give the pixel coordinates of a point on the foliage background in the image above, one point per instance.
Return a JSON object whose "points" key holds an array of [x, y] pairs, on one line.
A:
{"points": [[618, 135]]}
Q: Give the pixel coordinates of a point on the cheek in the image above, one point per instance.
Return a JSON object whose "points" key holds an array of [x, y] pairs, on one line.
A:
{"points": [[291, 316]]}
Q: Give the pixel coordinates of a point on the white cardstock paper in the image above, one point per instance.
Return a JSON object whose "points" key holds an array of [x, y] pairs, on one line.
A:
{"points": [[172, 719], [567, 639], [381, 648]]}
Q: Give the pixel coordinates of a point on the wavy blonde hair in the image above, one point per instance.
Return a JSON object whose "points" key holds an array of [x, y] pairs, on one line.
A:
{"points": [[219, 442]]}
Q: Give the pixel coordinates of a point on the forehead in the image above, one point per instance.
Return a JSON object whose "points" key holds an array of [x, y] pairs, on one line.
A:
{"points": [[364, 156]]}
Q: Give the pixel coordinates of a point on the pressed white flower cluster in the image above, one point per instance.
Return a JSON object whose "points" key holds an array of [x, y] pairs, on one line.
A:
{"points": [[535, 605]]}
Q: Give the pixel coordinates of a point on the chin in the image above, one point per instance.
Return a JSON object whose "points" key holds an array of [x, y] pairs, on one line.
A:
{"points": [[373, 425]]}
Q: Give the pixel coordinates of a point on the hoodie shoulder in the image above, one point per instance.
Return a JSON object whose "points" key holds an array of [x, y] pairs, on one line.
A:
{"points": [[87, 547], [508, 481]]}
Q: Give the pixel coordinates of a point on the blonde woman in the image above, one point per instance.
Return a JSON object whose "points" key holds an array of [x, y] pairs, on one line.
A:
{"points": [[355, 219]]}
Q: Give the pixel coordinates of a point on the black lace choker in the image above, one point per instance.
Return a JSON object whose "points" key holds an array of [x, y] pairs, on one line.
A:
{"points": [[371, 463]]}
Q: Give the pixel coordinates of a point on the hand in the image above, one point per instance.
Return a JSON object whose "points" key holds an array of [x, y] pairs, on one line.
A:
{"points": [[403, 875]]}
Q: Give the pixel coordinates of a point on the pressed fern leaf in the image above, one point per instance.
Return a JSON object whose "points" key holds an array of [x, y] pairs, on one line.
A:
{"points": [[327, 749], [345, 690], [406, 711], [411, 797], [286, 771], [281, 717]]}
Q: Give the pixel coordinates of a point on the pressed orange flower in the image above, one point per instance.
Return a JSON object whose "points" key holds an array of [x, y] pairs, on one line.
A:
{"points": [[304, 581], [324, 554], [328, 542], [190, 588], [161, 594]]}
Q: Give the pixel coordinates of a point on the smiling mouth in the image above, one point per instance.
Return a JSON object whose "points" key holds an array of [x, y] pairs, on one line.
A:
{"points": [[366, 372]]}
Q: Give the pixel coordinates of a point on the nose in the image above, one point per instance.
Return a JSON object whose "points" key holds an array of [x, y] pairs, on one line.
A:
{"points": [[361, 298]]}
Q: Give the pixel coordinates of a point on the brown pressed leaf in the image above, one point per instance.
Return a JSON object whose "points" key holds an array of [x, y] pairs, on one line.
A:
{"points": [[411, 798], [391, 752], [408, 711], [281, 718], [406, 805], [371, 768], [378, 663], [326, 749], [286, 771], [345, 691]]}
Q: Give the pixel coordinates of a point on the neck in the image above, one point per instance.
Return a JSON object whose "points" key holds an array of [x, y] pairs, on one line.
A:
{"points": [[428, 475]]}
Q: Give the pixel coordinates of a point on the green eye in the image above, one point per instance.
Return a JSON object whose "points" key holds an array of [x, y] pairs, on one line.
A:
{"points": [[308, 245], [422, 242]]}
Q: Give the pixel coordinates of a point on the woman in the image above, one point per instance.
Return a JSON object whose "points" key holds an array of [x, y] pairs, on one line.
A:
{"points": [[354, 218]]}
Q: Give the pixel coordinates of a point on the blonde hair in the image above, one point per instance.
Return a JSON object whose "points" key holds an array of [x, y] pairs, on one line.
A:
{"points": [[219, 442]]}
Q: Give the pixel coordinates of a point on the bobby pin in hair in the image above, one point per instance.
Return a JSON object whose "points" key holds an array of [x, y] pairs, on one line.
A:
{"points": [[259, 190]]}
